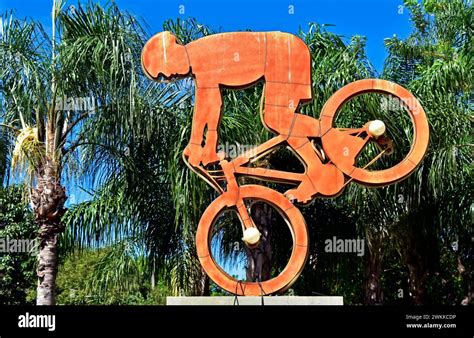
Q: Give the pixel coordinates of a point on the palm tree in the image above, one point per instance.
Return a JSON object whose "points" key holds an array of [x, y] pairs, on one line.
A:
{"points": [[435, 64], [411, 216], [58, 91], [439, 70]]}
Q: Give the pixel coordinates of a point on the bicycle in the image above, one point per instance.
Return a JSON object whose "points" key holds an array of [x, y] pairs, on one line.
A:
{"points": [[340, 149]]}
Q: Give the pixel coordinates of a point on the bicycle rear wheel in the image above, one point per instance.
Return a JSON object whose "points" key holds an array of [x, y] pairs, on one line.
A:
{"points": [[296, 223], [336, 141]]}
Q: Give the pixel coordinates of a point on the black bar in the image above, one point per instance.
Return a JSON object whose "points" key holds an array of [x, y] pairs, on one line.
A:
{"points": [[245, 321]]}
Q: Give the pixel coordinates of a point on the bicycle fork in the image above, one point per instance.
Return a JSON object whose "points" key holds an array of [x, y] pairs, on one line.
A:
{"points": [[251, 235]]}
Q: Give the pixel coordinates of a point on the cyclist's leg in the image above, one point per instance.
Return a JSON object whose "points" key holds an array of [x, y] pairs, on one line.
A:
{"points": [[281, 103], [316, 171], [214, 114], [283, 119], [321, 178], [278, 119], [305, 126], [207, 111]]}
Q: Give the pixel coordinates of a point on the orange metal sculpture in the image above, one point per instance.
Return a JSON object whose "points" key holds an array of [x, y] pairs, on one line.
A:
{"points": [[283, 62]]}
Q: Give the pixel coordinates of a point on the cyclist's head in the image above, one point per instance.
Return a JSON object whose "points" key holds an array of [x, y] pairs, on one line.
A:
{"points": [[164, 56]]}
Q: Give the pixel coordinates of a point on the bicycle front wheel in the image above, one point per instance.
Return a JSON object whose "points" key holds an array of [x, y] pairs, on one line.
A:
{"points": [[296, 224]]}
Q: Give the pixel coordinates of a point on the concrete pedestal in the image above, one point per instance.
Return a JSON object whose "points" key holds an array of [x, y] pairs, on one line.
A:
{"points": [[273, 300]]}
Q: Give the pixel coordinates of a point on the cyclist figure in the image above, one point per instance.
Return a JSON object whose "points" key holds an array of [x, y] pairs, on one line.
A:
{"points": [[239, 60]]}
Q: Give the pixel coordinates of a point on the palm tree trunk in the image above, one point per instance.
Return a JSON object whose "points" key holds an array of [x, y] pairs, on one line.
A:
{"points": [[259, 259], [417, 275], [47, 200], [373, 292], [420, 253], [205, 285]]}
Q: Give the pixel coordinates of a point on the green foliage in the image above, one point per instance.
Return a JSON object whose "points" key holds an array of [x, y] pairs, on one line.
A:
{"points": [[77, 281], [17, 277], [435, 63]]}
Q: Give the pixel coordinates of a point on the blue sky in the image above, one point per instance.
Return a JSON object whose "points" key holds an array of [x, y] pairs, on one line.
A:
{"points": [[375, 19]]}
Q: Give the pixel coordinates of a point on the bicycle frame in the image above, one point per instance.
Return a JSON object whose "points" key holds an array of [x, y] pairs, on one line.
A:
{"points": [[262, 173], [239, 162], [231, 170], [238, 167]]}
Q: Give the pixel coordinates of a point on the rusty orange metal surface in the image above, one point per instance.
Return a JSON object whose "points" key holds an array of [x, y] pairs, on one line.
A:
{"points": [[283, 62]]}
